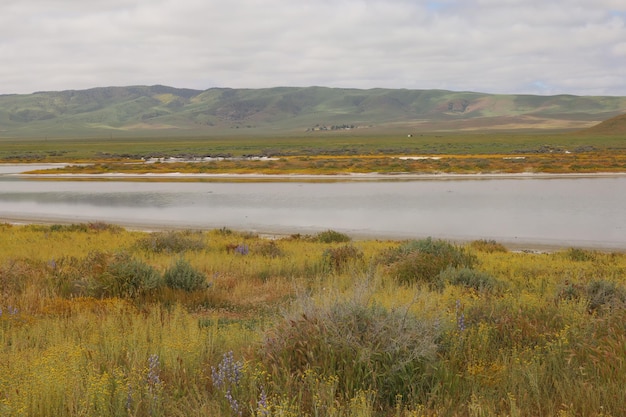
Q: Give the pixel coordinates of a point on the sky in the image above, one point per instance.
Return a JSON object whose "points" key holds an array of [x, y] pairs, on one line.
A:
{"points": [[491, 46]]}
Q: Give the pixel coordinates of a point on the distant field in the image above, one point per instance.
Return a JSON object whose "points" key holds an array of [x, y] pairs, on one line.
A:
{"points": [[315, 143]]}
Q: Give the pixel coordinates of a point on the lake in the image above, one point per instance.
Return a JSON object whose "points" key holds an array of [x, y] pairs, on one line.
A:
{"points": [[564, 211]]}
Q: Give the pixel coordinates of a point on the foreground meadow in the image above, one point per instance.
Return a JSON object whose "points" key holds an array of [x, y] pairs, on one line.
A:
{"points": [[100, 321]]}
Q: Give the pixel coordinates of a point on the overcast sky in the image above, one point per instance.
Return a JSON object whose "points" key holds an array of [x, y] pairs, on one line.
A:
{"points": [[494, 46]]}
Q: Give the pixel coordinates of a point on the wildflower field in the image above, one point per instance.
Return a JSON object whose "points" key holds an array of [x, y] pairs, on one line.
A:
{"points": [[96, 320]]}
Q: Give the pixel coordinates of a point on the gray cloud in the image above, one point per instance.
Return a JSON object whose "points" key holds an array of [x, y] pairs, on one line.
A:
{"points": [[501, 46]]}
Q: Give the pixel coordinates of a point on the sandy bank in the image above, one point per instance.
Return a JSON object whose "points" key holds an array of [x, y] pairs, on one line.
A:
{"points": [[320, 177]]}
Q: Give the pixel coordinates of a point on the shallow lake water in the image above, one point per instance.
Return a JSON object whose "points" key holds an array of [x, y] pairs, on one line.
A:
{"points": [[587, 211]]}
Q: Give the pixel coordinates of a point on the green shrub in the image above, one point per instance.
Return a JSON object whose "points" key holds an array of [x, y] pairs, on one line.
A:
{"points": [[367, 347], [172, 242], [125, 277], [570, 291], [423, 260], [331, 236], [579, 255], [487, 246], [469, 278], [81, 227], [182, 275], [101, 226], [337, 258], [224, 231]]}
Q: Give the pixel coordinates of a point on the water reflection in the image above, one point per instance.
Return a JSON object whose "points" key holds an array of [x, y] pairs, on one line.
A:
{"points": [[581, 211]]}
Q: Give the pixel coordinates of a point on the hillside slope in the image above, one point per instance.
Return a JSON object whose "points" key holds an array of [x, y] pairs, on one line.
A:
{"points": [[165, 110], [613, 126]]}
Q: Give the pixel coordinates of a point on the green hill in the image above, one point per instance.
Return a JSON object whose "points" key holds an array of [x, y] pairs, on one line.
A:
{"points": [[613, 126], [161, 110]]}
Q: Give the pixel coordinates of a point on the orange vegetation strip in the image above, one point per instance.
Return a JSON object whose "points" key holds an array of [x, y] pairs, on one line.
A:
{"points": [[588, 162]]}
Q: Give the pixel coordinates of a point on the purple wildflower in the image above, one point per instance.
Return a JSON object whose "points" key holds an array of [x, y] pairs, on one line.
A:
{"points": [[460, 317], [226, 378], [154, 366], [242, 249], [262, 403], [129, 397]]}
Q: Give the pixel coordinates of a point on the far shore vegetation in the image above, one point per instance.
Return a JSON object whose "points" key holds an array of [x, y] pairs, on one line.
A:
{"points": [[332, 153], [96, 320]]}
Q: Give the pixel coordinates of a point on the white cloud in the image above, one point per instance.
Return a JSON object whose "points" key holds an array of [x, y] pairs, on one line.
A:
{"points": [[504, 46]]}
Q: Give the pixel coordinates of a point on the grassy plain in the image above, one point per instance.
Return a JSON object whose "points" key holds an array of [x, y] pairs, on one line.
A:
{"points": [[101, 321], [332, 153]]}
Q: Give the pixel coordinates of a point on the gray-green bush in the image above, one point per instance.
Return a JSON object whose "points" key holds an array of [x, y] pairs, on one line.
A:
{"points": [[125, 276], [605, 294], [598, 294], [182, 275], [366, 346], [172, 242], [469, 278]]}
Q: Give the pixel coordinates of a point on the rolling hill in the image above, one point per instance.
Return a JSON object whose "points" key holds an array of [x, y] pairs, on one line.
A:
{"points": [[613, 126], [161, 110]]}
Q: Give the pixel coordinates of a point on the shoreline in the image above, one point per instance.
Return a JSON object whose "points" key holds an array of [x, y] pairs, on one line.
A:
{"points": [[513, 245], [374, 176], [20, 170]]}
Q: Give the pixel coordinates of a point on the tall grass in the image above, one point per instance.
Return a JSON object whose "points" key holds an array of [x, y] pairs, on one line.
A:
{"points": [[89, 326]]}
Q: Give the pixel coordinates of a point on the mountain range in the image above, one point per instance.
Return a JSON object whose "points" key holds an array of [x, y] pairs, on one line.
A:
{"points": [[162, 110]]}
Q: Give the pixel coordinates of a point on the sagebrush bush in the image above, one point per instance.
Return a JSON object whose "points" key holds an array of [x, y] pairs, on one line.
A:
{"points": [[332, 236], [603, 294], [469, 278], [268, 249], [423, 260], [598, 294], [335, 259], [366, 346], [13, 276], [172, 242], [125, 276], [183, 276]]}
